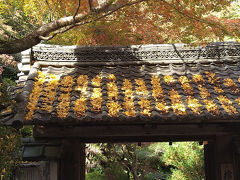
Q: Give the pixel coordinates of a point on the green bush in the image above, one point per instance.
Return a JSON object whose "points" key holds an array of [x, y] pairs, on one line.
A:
{"points": [[187, 160], [95, 175], [27, 131]]}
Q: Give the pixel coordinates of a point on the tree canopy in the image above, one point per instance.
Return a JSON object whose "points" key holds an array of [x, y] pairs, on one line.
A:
{"points": [[24, 24]]}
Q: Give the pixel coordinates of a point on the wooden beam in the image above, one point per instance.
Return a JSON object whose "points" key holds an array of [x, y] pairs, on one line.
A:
{"points": [[150, 132]]}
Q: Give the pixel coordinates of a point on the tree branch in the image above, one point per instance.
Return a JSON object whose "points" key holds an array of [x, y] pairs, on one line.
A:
{"points": [[55, 27], [56, 33], [55, 7], [74, 16], [90, 5], [49, 10], [109, 13]]}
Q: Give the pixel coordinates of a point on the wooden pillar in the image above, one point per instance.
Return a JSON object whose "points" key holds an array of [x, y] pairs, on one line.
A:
{"points": [[236, 145], [73, 160], [82, 161], [209, 160], [224, 158], [219, 159]]}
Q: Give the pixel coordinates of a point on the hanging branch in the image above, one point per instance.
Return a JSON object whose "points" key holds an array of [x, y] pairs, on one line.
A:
{"points": [[61, 25]]}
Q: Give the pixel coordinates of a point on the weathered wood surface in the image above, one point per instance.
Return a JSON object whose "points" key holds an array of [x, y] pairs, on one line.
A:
{"points": [[148, 132], [210, 160], [73, 160]]}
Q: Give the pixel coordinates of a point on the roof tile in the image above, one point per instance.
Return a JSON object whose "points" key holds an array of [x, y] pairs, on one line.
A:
{"points": [[149, 83], [133, 93]]}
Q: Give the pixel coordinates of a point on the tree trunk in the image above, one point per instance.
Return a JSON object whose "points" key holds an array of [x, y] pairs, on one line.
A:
{"points": [[20, 44], [135, 165]]}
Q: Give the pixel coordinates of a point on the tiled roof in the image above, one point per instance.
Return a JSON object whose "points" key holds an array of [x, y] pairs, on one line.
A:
{"points": [[204, 90]]}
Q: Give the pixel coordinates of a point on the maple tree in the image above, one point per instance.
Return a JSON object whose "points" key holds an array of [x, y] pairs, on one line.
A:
{"points": [[112, 22]]}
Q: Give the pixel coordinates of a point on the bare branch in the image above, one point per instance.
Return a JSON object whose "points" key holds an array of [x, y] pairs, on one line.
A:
{"points": [[90, 5], [104, 8], [111, 12], [55, 7], [49, 10], [56, 33], [74, 16], [48, 37]]}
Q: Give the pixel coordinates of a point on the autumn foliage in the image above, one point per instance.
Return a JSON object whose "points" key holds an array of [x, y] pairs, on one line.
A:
{"points": [[116, 22], [154, 21]]}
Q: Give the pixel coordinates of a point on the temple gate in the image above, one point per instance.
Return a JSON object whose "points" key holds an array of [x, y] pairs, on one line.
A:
{"points": [[149, 93]]}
